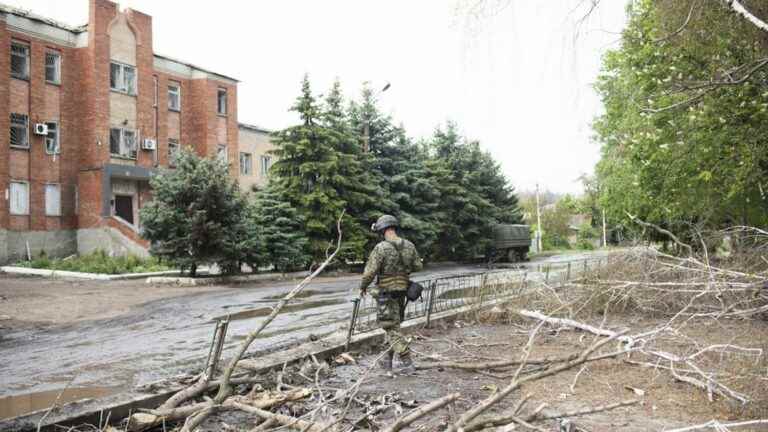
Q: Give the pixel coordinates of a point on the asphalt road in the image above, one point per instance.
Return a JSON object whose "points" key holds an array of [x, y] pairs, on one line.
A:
{"points": [[171, 336]]}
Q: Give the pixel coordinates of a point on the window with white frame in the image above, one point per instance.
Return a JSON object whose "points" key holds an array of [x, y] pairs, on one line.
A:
{"points": [[19, 130], [266, 162], [173, 151], [52, 139], [221, 100], [19, 196], [122, 78], [246, 164], [221, 153], [53, 67], [19, 60], [174, 97], [122, 143], [53, 200]]}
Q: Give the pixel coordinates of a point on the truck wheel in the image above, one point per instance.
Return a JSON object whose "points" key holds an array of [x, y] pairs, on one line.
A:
{"points": [[511, 255]]}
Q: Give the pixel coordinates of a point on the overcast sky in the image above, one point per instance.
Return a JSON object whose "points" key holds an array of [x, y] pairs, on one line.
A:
{"points": [[519, 80]]}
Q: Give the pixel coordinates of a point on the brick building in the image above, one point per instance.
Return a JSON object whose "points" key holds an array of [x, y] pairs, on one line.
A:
{"points": [[92, 112], [255, 160]]}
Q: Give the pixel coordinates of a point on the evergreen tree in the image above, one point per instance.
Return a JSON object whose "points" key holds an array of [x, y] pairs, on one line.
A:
{"points": [[284, 244], [197, 215], [307, 173]]}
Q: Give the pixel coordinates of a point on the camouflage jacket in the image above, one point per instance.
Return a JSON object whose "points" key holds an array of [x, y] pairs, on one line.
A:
{"points": [[386, 262]]}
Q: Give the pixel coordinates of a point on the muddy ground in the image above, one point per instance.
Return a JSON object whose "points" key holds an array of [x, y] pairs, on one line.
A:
{"points": [[663, 402]]}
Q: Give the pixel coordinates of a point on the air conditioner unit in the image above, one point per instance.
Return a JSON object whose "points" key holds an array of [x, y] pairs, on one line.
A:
{"points": [[149, 144], [41, 129]]}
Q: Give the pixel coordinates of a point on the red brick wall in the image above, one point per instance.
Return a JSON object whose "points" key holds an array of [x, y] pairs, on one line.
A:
{"points": [[5, 72], [81, 107]]}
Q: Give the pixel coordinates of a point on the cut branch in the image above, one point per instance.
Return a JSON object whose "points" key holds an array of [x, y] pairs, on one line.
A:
{"points": [[421, 412]]}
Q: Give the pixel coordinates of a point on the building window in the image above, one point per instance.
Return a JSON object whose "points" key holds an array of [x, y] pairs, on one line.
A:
{"points": [[52, 200], [221, 153], [246, 164], [122, 143], [19, 198], [266, 162], [19, 60], [19, 130], [173, 152], [53, 67], [52, 139], [122, 78], [222, 101], [174, 97]]}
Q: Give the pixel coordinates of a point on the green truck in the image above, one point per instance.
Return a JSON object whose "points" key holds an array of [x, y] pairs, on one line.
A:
{"points": [[511, 243]]}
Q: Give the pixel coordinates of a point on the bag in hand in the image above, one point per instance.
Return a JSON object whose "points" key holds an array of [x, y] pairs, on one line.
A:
{"points": [[414, 291]]}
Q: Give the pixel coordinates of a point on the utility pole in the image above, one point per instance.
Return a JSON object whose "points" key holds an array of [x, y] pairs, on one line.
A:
{"points": [[538, 221], [605, 237]]}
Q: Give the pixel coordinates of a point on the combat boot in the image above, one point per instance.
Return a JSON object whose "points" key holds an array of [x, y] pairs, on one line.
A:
{"points": [[406, 363], [385, 362]]}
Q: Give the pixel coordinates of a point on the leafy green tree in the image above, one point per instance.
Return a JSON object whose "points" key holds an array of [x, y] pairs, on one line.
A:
{"points": [[197, 215], [683, 134], [280, 230]]}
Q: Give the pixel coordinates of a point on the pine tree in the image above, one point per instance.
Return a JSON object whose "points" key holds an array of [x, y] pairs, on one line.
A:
{"points": [[309, 171], [197, 215], [280, 229]]}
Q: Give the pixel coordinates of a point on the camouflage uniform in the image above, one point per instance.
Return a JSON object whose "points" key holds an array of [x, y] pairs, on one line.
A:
{"points": [[392, 262]]}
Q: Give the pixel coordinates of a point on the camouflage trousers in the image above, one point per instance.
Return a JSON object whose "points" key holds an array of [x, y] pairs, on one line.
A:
{"points": [[389, 314]]}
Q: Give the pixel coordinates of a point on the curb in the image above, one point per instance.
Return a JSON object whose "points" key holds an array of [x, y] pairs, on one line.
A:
{"points": [[59, 274], [119, 406]]}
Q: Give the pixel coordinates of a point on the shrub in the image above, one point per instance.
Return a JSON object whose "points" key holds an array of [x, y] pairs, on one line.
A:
{"points": [[98, 262]]}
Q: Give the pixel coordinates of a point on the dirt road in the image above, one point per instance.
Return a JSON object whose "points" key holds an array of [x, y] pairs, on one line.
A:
{"points": [[138, 334]]}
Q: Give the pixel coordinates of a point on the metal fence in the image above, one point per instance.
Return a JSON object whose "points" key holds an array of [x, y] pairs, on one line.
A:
{"points": [[453, 292]]}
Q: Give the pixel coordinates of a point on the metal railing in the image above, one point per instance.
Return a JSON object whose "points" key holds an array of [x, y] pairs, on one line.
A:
{"points": [[453, 292]]}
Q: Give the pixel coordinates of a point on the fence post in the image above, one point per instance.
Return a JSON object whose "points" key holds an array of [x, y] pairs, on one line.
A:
{"points": [[352, 322], [568, 273], [431, 303], [585, 269], [546, 277]]}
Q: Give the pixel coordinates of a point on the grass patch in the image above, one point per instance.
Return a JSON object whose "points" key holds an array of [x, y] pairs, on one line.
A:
{"points": [[98, 262]]}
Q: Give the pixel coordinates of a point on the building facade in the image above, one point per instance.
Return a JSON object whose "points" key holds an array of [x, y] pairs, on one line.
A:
{"points": [[92, 113], [255, 157]]}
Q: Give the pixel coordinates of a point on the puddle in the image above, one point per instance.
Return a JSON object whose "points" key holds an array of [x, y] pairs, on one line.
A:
{"points": [[303, 294], [12, 406], [264, 311]]}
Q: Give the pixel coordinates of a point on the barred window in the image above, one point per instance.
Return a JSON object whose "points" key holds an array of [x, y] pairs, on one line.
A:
{"points": [[174, 97], [122, 143], [246, 164], [52, 139], [122, 78], [19, 130], [19, 60], [173, 151], [53, 67]]}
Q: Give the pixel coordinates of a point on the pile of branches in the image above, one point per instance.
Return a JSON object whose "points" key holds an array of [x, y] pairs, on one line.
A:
{"points": [[677, 292]]}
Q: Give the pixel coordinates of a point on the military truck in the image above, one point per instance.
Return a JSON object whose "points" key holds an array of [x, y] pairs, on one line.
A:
{"points": [[511, 243]]}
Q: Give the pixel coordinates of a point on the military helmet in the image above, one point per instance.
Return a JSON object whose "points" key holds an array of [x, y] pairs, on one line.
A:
{"points": [[384, 222]]}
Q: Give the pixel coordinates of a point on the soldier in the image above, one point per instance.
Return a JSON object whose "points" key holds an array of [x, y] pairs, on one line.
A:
{"points": [[391, 261]]}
